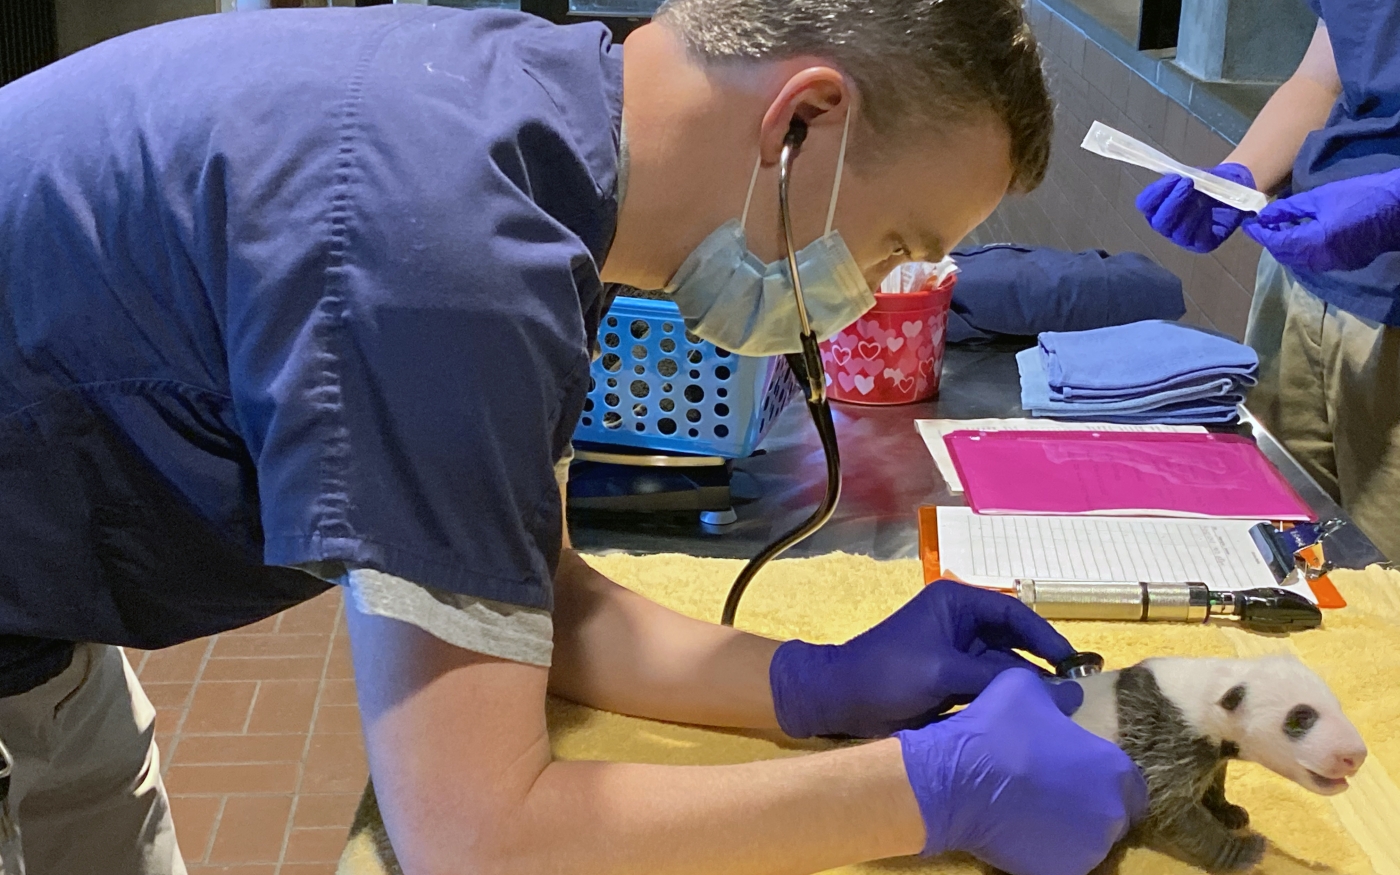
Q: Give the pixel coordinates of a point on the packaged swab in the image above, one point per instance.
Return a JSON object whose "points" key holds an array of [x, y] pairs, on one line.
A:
{"points": [[1110, 143]]}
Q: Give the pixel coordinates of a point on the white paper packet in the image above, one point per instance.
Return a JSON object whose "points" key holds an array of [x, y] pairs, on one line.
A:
{"points": [[917, 275], [1110, 143]]}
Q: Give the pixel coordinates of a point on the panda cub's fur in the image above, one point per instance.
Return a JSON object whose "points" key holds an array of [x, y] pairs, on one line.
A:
{"points": [[1182, 721]]}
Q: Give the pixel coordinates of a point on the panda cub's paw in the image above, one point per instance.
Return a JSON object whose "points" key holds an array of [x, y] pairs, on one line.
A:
{"points": [[1241, 852], [1231, 816]]}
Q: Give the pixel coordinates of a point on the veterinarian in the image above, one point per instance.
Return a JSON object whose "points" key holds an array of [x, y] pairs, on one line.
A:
{"points": [[290, 300], [1326, 312]]}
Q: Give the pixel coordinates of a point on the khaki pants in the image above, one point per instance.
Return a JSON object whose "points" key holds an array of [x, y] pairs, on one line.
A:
{"points": [[86, 789], [1329, 390]]}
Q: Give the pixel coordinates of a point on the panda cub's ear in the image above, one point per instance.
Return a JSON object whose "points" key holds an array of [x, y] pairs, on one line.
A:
{"points": [[1233, 697]]}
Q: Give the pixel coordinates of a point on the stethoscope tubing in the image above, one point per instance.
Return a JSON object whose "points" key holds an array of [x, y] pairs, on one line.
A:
{"points": [[807, 365]]}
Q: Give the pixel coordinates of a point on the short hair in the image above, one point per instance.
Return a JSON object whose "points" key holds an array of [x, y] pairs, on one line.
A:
{"points": [[917, 64]]}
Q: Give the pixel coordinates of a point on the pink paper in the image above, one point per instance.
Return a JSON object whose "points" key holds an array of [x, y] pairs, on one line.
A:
{"points": [[1127, 474]]}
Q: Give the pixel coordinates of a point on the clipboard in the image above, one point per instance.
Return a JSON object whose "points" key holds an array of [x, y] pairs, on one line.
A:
{"points": [[1322, 588]]}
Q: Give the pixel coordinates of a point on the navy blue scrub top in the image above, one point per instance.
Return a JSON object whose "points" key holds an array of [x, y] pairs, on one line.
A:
{"points": [[1361, 137], [287, 287]]}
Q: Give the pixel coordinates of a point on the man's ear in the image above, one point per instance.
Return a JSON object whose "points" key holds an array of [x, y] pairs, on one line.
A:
{"points": [[815, 96]]}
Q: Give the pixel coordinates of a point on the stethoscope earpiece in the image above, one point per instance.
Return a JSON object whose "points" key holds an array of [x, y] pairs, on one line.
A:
{"points": [[797, 134]]}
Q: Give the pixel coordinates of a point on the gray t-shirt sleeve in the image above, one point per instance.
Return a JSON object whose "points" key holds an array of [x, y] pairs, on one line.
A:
{"points": [[561, 468], [476, 624], [480, 625]]}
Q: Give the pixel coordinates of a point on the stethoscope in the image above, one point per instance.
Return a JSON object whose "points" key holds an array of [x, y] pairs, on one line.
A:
{"points": [[807, 365]]}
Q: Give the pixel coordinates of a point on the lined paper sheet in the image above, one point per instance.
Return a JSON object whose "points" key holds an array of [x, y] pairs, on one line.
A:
{"points": [[997, 550], [933, 430]]}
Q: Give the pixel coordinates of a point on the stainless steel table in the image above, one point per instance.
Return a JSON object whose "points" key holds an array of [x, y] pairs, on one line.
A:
{"points": [[888, 474]]}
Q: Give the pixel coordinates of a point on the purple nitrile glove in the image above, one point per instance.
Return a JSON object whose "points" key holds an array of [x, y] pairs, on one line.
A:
{"points": [[1343, 225], [1020, 786], [938, 651], [1192, 220]]}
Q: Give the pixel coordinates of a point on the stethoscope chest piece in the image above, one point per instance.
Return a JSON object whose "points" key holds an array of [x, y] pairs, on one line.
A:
{"points": [[1080, 664]]}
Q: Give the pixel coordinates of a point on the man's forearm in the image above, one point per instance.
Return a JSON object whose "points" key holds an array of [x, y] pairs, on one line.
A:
{"points": [[462, 766], [1269, 148], [614, 649], [797, 815], [792, 816], [1300, 106]]}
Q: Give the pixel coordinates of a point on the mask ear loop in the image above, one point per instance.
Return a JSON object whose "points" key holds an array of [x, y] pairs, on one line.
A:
{"points": [[840, 166], [835, 186], [748, 199]]}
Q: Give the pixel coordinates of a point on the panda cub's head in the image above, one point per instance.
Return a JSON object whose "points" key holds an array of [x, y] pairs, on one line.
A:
{"points": [[1278, 713]]}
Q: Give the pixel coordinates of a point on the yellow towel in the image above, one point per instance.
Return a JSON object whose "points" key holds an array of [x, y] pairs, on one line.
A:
{"points": [[832, 598]]}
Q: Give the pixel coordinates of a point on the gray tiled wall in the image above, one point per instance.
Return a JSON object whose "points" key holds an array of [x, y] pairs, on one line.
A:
{"points": [[1086, 202]]}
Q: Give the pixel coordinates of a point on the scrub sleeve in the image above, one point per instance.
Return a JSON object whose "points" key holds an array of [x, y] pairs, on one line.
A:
{"points": [[411, 420], [483, 626], [408, 428]]}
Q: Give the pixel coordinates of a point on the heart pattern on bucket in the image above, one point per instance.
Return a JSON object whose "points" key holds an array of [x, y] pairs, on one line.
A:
{"points": [[869, 368], [886, 358]]}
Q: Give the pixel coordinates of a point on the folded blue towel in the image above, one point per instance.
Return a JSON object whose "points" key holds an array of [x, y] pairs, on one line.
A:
{"points": [[1142, 357], [1205, 403], [1188, 415], [1184, 385], [1036, 394], [1007, 289]]}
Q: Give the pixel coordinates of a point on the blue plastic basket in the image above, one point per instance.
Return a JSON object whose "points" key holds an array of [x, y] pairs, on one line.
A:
{"points": [[659, 387]]}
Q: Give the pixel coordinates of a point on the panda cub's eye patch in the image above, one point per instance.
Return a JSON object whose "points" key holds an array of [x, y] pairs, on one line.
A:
{"points": [[1233, 697], [1299, 721]]}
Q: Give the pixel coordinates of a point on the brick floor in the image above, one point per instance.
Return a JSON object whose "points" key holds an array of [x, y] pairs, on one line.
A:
{"points": [[260, 743]]}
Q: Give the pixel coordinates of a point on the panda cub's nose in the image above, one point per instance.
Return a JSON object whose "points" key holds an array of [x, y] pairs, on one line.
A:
{"points": [[1347, 764]]}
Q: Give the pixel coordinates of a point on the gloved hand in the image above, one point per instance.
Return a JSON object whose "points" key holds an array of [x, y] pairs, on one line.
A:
{"points": [[1192, 220], [1342, 225], [939, 650], [1018, 785]]}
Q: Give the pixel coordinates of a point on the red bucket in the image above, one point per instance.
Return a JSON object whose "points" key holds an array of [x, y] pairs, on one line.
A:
{"points": [[894, 353]]}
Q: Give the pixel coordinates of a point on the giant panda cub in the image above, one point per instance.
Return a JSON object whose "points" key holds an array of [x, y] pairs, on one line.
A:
{"points": [[1182, 720]]}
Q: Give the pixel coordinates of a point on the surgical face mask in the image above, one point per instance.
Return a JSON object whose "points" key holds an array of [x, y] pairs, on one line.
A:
{"points": [[729, 297]]}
